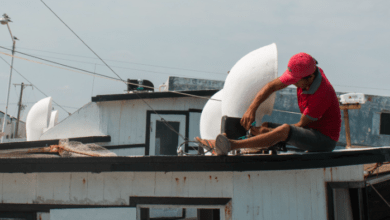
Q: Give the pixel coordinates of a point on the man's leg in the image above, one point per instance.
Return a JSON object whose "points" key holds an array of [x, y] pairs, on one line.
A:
{"points": [[224, 145]]}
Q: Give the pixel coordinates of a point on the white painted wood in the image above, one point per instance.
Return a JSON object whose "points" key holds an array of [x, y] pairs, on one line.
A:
{"points": [[303, 194], [265, 193], [43, 215], [290, 194], [113, 185], [94, 214], [82, 123], [18, 188], [169, 118], [61, 189], [95, 188], [78, 188], [194, 125], [243, 195], [125, 120], [164, 184], [45, 188], [143, 184], [179, 184]]}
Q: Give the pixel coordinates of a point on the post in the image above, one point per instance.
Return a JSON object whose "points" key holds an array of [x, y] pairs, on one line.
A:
{"points": [[345, 108], [19, 107], [347, 131], [9, 87]]}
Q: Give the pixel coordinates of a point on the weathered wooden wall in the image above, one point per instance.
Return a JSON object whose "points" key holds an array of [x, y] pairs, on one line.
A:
{"points": [[291, 194]]}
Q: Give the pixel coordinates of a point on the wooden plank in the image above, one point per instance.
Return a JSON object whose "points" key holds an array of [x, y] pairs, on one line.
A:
{"points": [[243, 195], [258, 189], [144, 184], [164, 184], [315, 199], [303, 194], [350, 106], [292, 195], [78, 188], [113, 185], [45, 188], [267, 196], [95, 189], [321, 194], [197, 184], [347, 131], [19, 188], [179, 184], [61, 187]]}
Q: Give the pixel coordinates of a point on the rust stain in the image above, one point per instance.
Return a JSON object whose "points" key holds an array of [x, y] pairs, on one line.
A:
{"points": [[185, 179], [177, 180], [228, 210], [249, 176], [83, 181], [40, 217], [210, 177], [331, 174], [216, 178]]}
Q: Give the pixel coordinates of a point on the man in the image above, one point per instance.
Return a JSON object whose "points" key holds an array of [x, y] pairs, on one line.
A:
{"points": [[319, 126]]}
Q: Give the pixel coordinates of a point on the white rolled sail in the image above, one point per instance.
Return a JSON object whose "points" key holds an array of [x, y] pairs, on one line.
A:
{"points": [[210, 119], [38, 119], [247, 77]]}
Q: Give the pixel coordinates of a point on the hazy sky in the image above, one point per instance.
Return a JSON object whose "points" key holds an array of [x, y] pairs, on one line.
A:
{"points": [[350, 40]]}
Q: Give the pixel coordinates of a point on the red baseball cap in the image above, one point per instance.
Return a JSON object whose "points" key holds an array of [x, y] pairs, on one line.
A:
{"points": [[299, 66]]}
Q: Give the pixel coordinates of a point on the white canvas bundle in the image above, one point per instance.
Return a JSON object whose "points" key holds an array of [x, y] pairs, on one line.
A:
{"points": [[38, 119], [247, 77], [210, 119]]}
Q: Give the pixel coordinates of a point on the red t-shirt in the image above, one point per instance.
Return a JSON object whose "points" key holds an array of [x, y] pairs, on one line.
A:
{"points": [[320, 104]]}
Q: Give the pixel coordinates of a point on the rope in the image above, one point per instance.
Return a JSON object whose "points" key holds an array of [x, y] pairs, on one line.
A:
{"points": [[379, 194]]}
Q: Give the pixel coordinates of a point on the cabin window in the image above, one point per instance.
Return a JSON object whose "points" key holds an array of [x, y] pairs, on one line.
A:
{"points": [[166, 139], [346, 200], [158, 208], [385, 123], [17, 215]]}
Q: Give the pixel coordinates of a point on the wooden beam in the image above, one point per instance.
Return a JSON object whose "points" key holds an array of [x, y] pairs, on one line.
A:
{"points": [[350, 106]]}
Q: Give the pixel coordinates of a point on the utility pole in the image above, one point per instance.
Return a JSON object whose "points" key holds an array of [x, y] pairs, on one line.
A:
{"points": [[19, 106], [5, 20]]}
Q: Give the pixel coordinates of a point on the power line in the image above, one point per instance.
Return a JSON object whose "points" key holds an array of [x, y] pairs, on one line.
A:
{"points": [[82, 71], [148, 71], [141, 64], [166, 124], [34, 85]]}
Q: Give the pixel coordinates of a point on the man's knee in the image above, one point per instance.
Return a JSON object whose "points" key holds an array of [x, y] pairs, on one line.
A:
{"points": [[284, 130]]}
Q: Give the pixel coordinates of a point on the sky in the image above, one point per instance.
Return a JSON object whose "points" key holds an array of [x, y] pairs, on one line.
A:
{"points": [[155, 39]]}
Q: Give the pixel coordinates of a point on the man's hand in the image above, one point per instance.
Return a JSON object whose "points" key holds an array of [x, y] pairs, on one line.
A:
{"points": [[303, 122], [261, 96], [248, 118]]}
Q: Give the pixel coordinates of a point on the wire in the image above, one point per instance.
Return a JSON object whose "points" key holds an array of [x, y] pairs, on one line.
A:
{"points": [[142, 64], [90, 73], [149, 71], [34, 85], [167, 124]]}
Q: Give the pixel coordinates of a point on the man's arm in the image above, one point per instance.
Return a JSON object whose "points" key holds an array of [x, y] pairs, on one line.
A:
{"points": [[261, 96], [303, 122]]}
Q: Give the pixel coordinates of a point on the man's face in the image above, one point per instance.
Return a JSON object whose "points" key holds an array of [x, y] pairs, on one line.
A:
{"points": [[305, 83]]}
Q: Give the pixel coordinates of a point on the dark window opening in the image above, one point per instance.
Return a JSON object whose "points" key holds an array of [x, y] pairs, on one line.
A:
{"points": [[166, 139], [17, 215], [187, 214], [385, 124]]}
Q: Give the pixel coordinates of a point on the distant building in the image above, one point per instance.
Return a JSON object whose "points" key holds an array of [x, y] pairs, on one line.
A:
{"points": [[10, 128]]}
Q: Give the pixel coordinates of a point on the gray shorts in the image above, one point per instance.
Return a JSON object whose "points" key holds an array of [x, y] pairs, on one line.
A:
{"points": [[307, 139]]}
